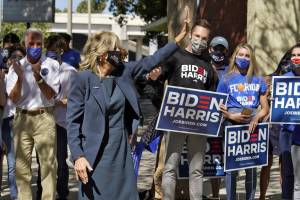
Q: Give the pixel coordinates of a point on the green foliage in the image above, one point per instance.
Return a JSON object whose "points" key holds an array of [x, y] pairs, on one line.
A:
{"points": [[57, 10], [96, 6], [149, 10], [19, 28]]}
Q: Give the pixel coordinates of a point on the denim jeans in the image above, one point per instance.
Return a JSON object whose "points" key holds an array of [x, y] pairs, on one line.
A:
{"points": [[296, 163], [7, 137], [287, 186], [250, 184], [62, 167], [251, 175]]}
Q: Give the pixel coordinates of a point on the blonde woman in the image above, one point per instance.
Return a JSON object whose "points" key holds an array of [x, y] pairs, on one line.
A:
{"points": [[247, 91], [102, 111]]}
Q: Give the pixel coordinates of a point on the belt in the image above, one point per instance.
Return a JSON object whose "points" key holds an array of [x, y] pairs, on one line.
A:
{"points": [[37, 111]]}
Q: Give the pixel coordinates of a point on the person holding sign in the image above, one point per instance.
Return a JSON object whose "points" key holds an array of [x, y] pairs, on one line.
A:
{"points": [[247, 91], [103, 111], [187, 68], [274, 149], [290, 139]]}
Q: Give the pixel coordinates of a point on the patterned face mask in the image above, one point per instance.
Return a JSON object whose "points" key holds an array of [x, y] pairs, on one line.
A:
{"points": [[198, 45]]}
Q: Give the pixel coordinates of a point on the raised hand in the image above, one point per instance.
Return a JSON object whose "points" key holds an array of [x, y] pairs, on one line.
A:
{"points": [[18, 68], [185, 29]]}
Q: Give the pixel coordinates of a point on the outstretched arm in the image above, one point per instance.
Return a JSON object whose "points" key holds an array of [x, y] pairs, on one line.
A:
{"points": [[146, 64]]}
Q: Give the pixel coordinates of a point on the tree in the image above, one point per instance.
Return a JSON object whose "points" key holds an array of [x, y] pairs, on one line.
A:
{"points": [[148, 10], [97, 6], [20, 28], [57, 10]]}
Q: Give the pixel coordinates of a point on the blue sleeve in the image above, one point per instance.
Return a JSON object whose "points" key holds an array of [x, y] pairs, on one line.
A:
{"points": [[78, 59], [263, 86], [222, 86], [144, 65], [75, 112]]}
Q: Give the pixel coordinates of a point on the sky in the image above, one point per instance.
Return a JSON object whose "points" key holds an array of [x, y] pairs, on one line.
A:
{"points": [[61, 4]]}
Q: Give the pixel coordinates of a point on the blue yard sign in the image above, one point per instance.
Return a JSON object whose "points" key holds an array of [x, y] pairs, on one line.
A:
{"points": [[244, 149], [213, 165], [191, 111], [285, 106]]}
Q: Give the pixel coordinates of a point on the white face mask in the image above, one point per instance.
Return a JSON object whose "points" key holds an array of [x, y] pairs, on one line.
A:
{"points": [[198, 45]]}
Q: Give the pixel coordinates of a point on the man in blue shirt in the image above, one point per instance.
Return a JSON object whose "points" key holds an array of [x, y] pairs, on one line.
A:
{"points": [[218, 51], [70, 56]]}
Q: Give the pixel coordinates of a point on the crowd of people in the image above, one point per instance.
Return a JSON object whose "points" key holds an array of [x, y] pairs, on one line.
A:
{"points": [[47, 106], [34, 89]]}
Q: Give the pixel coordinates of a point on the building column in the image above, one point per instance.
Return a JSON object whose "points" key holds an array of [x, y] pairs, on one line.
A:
{"points": [[153, 46], [139, 48]]}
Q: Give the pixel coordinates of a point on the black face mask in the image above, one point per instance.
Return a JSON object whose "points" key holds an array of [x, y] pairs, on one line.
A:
{"points": [[217, 57], [115, 59]]}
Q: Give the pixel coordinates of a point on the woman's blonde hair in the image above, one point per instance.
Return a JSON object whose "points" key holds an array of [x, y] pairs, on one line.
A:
{"points": [[97, 45], [252, 70]]}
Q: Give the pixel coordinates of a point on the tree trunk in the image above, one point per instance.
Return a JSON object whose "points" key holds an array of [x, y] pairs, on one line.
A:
{"points": [[176, 16]]}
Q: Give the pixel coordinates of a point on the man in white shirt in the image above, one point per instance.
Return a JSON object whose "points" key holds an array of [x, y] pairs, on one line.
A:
{"points": [[32, 85], [54, 45]]}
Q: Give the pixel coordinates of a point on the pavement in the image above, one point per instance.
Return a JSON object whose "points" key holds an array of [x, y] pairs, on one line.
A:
{"points": [[147, 170]]}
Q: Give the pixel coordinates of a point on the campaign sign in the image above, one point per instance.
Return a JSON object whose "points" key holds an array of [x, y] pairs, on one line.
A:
{"points": [[191, 111], [285, 107], [213, 165], [244, 149]]}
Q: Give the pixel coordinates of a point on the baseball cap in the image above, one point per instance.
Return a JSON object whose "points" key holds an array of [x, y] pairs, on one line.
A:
{"points": [[218, 40]]}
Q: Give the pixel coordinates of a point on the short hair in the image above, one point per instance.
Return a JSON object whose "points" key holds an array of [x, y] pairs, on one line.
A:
{"points": [[201, 22], [11, 38], [51, 41], [16, 47], [33, 31], [66, 37], [55, 41]]}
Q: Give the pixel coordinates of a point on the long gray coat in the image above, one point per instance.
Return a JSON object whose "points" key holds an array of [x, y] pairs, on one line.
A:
{"points": [[86, 112]]}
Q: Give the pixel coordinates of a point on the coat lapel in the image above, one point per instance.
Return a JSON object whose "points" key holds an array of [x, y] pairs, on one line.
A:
{"points": [[129, 93], [97, 91]]}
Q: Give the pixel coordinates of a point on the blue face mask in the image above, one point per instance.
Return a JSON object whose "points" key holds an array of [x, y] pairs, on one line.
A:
{"points": [[52, 54], [34, 53], [242, 63]]}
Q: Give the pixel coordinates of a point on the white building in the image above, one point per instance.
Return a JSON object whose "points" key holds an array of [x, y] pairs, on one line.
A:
{"points": [[131, 34]]}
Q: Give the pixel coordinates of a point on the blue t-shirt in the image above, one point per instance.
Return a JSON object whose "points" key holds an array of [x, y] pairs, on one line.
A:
{"points": [[243, 92], [221, 71], [72, 57]]}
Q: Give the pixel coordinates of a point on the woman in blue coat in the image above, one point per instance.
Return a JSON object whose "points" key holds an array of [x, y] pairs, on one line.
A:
{"points": [[103, 112]]}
